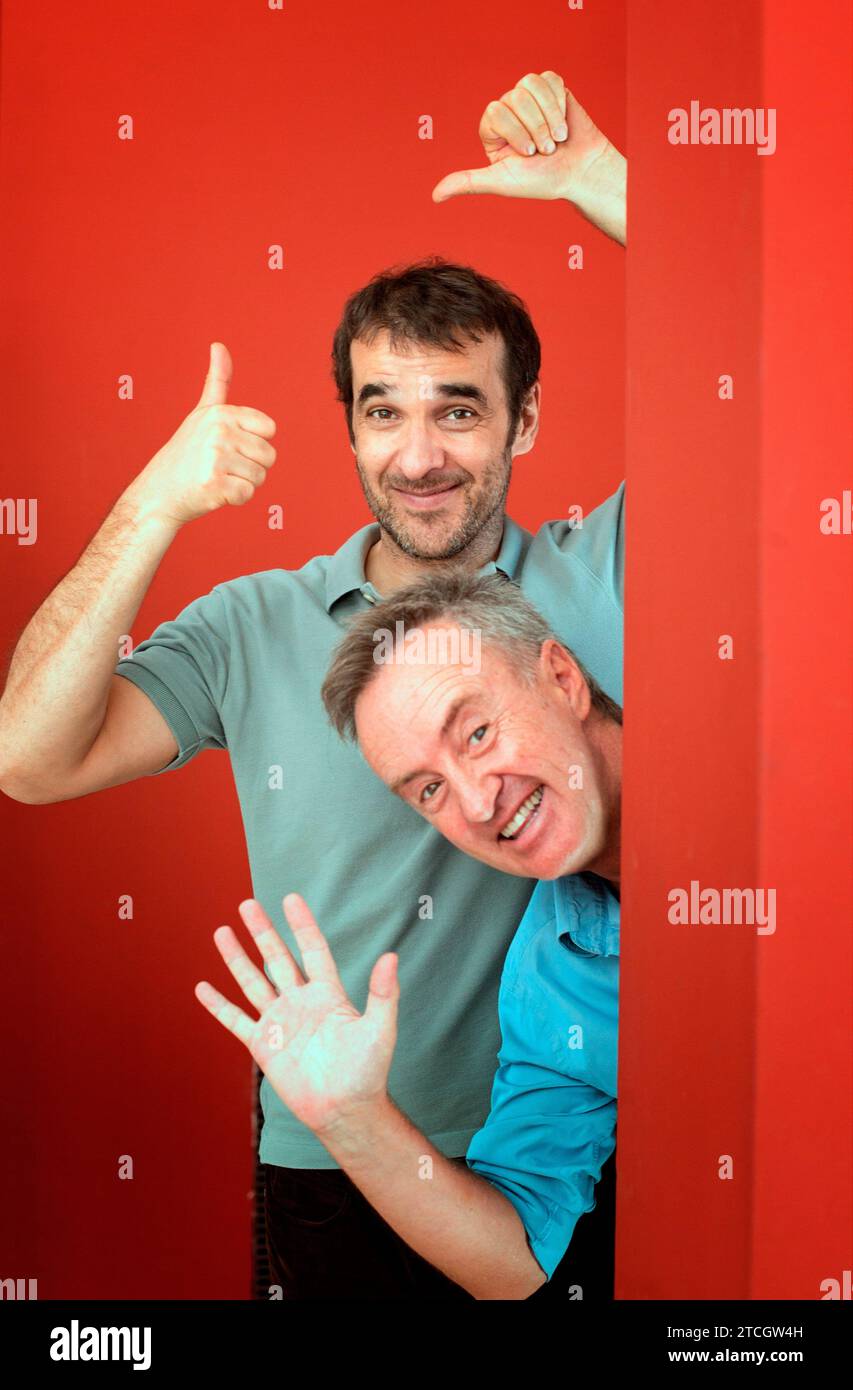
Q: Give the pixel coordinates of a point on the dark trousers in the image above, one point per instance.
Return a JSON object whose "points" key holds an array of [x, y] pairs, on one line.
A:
{"points": [[324, 1240]]}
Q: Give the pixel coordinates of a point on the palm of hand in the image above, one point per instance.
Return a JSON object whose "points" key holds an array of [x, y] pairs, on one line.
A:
{"points": [[545, 175], [313, 1046]]}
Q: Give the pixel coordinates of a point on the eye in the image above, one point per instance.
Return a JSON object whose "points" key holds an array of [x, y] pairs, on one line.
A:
{"points": [[423, 796], [380, 410], [461, 409], [481, 730]]}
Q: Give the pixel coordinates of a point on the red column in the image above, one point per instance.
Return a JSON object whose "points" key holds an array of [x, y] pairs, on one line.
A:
{"points": [[734, 1134], [801, 1232]]}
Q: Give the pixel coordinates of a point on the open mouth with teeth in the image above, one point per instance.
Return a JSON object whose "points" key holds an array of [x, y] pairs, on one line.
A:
{"points": [[524, 815]]}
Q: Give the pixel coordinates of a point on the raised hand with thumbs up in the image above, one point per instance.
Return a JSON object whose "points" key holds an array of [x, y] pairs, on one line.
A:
{"points": [[218, 455], [540, 143], [69, 725]]}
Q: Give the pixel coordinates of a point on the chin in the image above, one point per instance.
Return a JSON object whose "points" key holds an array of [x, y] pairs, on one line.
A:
{"points": [[586, 848], [424, 543], [549, 873]]}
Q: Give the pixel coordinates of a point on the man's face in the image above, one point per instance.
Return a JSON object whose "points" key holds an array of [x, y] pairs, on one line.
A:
{"points": [[430, 429], [468, 750]]}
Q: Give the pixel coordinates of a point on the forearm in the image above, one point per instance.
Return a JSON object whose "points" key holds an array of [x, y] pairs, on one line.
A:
{"points": [[56, 693], [453, 1218], [601, 193]]}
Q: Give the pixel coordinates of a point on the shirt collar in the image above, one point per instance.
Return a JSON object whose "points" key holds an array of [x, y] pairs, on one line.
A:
{"points": [[587, 914], [345, 572]]}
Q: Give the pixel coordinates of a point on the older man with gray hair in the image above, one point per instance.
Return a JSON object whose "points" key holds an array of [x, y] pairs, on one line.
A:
{"points": [[516, 759]]}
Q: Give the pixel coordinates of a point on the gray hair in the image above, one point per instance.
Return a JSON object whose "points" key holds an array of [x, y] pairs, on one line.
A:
{"points": [[491, 605]]}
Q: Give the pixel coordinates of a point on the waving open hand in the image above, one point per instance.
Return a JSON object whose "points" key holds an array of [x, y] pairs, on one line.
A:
{"points": [[321, 1056]]}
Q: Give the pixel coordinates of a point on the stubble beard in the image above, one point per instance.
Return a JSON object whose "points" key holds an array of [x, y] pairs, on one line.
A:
{"points": [[490, 499]]}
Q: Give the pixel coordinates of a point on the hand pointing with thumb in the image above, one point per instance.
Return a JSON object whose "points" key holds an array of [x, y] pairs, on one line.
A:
{"points": [[539, 141], [218, 456]]}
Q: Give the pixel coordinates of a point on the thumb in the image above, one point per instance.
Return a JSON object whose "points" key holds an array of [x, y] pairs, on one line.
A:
{"points": [[383, 994], [487, 180], [218, 378]]}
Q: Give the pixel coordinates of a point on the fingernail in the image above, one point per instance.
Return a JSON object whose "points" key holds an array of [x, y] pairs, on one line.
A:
{"points": [[562, 132], [550, 147]]}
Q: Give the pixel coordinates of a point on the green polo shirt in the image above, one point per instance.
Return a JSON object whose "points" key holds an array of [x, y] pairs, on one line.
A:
{"points": [[240, 669]]}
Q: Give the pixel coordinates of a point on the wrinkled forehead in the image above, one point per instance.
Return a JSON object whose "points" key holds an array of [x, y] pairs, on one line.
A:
{"points": [[403, 713], [407, 362]]}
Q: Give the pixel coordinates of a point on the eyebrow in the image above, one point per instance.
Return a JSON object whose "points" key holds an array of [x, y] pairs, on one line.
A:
{"points": [[449, 719], [466, 390]]}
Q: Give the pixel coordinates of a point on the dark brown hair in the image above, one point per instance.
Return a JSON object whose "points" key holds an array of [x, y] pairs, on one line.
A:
{"points": [[436, 302]]}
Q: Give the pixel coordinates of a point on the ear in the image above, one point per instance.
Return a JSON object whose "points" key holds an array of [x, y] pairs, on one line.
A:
{"points": [[560, 668], [528, 429]]}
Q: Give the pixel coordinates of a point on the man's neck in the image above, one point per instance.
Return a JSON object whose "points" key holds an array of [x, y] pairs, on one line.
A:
{"points": [[389, 568]]}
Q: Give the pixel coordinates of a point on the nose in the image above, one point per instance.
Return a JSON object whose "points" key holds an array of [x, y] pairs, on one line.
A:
{"points": [[420, 451], [477, 794]]}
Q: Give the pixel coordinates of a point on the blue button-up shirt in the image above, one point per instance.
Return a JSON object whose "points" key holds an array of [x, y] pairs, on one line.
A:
{"points": [[552, 1123]]}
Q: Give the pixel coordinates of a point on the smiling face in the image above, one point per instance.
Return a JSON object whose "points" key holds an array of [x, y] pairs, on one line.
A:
{"points": [[504, 770], [430, 428]]}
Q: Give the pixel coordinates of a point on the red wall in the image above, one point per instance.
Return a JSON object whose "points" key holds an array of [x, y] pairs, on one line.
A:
{"points": [[252, 127], [802, 1231], [737, 772]]}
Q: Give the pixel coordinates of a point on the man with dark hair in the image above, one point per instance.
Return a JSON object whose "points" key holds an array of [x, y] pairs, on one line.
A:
{"points": [[438, 318], [434, 428], [514, 754], [447, 306]]}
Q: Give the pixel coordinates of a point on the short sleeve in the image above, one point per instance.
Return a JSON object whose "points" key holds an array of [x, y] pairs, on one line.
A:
{"points": [[599, 543], [183, 668], [574, 574], [544, 1142]]}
